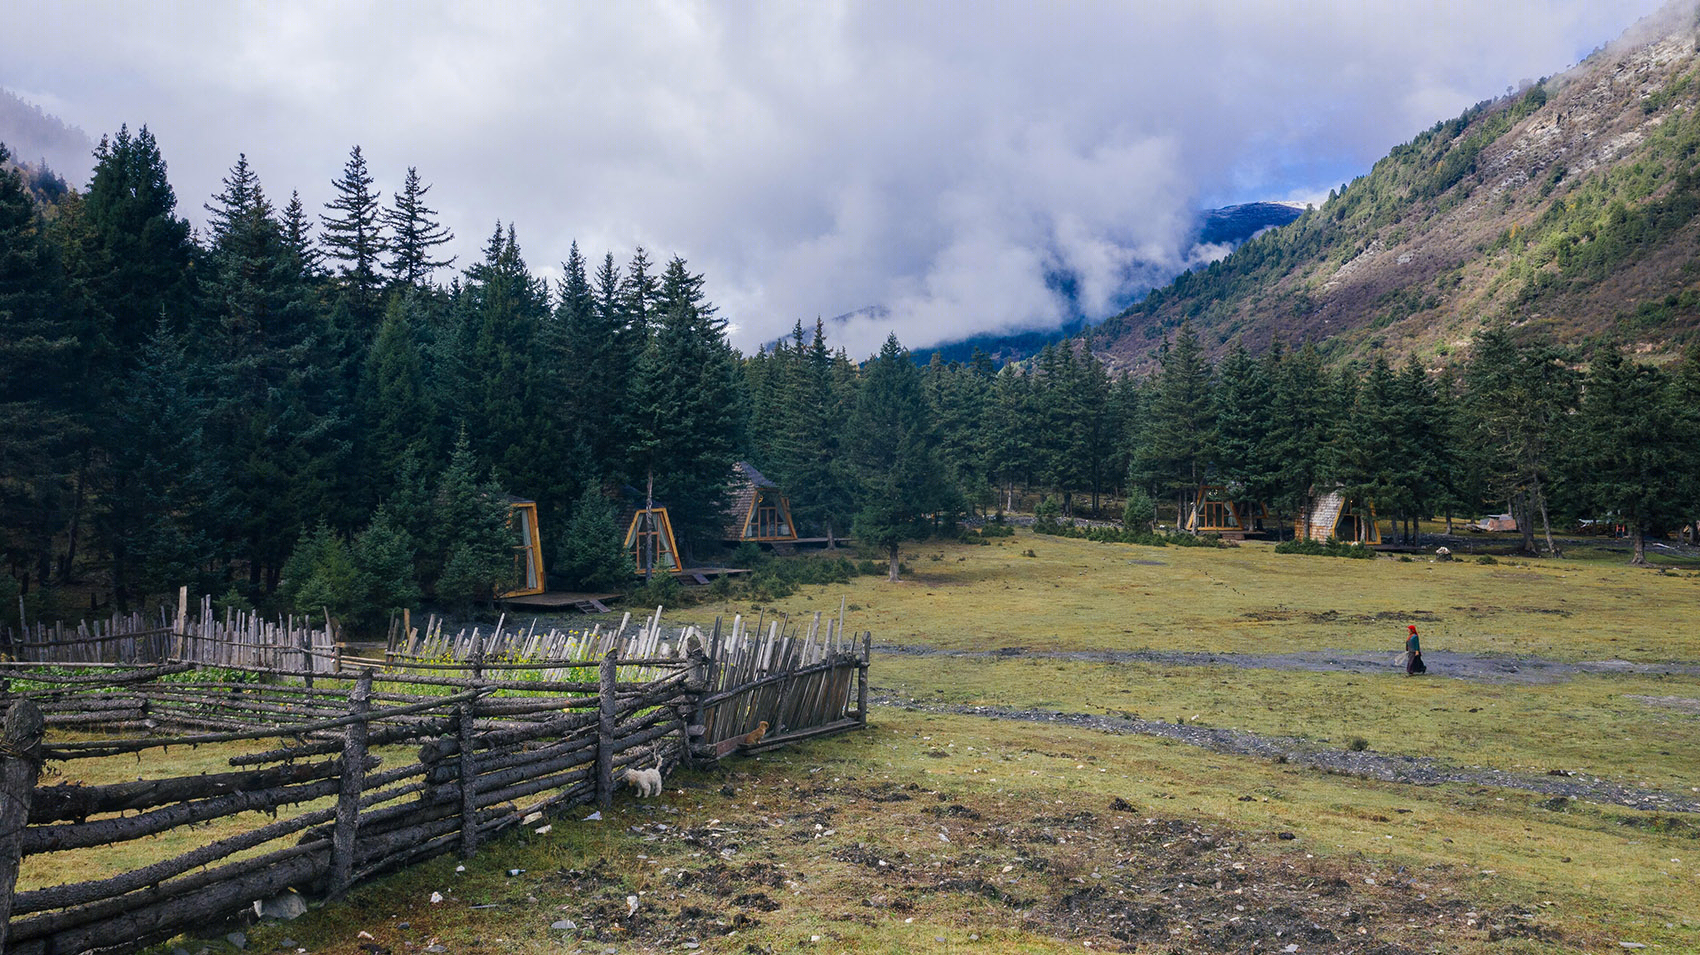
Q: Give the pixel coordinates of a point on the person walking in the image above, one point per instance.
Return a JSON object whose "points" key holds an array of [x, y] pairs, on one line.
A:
{"points": [[1413, 653]]}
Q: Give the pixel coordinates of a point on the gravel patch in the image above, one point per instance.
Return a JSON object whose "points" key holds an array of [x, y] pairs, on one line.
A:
{"points": [[1482, 668], [1415, 770]]}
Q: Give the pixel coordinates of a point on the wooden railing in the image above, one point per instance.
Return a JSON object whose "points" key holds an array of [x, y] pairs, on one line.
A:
{"points": [[498, 745]]}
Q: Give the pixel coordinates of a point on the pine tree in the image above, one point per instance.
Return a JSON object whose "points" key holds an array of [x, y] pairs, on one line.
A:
{"points": [[277, 419], [504, 307], [686, 434], [1181, 431], [895, 452], [298, 236], [1518, 398], [592, 555], [1627, 430], [392, 409], [472, 531], [383, 558], [165, 492], [1303, 419], [38, 429], [353, 238], [1241, 412], [414, 233]]}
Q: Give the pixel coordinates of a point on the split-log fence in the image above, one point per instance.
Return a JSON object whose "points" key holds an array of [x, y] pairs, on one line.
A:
{"points": [[484, 742]]}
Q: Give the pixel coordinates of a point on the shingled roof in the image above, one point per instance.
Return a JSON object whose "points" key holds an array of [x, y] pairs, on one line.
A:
{"points": [[746, 486]]}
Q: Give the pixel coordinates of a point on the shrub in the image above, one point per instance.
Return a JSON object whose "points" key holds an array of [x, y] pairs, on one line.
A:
{"points": [[1333, 548], [1486, 559], [1357, 744]]}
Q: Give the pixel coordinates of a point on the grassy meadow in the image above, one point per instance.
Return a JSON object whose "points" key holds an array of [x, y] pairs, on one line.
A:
{"points": [[938, 831]]}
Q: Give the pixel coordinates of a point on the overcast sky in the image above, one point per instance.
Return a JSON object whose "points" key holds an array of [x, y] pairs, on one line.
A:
{"points": [[811, 158]]}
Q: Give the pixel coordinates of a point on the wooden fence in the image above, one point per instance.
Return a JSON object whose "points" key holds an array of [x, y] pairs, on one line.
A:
{"points": [[499, 744]]}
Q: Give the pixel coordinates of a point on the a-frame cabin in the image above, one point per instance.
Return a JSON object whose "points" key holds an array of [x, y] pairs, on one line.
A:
{"points": [[759, 511], [529, 578], [1215, 511], [1333, 516], [649, 539]]}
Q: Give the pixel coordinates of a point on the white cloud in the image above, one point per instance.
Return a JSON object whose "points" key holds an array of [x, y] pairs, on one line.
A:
{"points": [[811, 158]]}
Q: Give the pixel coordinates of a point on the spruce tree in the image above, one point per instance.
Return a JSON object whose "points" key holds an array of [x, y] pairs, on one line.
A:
{"points": [[165, 492], [592, 555], [687, 430], [1181, 430], [1518, 398], [895, 451], [414, 234], [38, 348], [353, 238], [1626, 431]]}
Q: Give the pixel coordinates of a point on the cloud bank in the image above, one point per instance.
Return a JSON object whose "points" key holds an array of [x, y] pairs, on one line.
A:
{"points": [[944, 160]]}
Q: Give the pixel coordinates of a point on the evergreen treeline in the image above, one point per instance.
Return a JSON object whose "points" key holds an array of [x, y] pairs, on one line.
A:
{"points": [[293, 408]]}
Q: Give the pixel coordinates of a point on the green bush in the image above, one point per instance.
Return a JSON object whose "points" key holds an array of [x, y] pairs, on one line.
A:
{"points": [[1486, 559], [1333, 548]]}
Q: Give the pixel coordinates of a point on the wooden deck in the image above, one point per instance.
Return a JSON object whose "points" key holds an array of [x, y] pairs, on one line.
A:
{"points": [[562, 599]]}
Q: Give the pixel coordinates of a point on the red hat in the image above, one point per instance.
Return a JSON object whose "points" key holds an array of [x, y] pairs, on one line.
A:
{"points": [[1411, 627]]}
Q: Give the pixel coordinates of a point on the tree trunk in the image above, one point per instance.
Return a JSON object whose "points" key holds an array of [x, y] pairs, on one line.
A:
{"points": [[893, 578], [1525, 522], [1640, 558], [1546, 525]]}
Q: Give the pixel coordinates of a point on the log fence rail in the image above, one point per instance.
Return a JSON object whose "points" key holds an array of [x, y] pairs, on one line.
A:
{"points": [[506, 727]]}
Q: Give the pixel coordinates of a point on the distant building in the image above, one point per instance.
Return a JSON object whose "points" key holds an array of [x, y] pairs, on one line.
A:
{"points": [[1497, 522], [759, 511], [1333, 516]]}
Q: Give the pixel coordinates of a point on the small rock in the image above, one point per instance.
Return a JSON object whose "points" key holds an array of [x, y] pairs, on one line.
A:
{"points": [[434, 949], [286, 906], [237, 940], [436, 897], [728, 791], [287, 943], [514, 872], [404, 925], [564, 925], [1631, 945], [1285, 835], [594, 817], [1290, 948]]}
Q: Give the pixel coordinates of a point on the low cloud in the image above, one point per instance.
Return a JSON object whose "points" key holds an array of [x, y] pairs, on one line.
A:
{"points": [[945, 161]]}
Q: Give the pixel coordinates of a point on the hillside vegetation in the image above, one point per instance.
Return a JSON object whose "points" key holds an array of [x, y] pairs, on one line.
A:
{"points": [[1568, 207]]}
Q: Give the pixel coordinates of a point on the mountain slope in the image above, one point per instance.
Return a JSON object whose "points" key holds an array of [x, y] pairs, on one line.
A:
{"points": [[1571, 207], [1223, 229]]}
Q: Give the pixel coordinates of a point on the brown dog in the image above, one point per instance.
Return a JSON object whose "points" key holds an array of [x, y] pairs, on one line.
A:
{"points": [[754, 736]]}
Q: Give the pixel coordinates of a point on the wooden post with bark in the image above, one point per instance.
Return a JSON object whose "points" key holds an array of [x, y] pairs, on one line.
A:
{"points": [[605, 729], [862, 677], [348, 794], [20, 763], [468, 781]]}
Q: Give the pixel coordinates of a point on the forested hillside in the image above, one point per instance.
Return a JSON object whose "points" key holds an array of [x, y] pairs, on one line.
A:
{"points": [[1570, 208], [317, 410]]}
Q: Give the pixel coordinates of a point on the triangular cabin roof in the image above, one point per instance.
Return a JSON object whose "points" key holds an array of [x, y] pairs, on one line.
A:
{"points": [[645, 523], [758, 510], [1332, 516], [1215, 510]]}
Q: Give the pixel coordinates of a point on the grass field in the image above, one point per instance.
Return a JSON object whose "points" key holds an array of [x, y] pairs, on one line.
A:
{"points": [[939, 831]]}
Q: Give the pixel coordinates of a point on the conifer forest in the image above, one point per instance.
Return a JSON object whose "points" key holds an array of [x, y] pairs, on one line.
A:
{"points": [[318, 407]]}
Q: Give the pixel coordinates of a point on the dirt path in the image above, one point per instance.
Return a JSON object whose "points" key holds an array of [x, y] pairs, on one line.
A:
{"points": [[1420, 771], [1458, 666]]}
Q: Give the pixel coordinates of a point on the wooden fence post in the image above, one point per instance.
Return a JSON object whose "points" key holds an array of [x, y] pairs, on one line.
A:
{"points": [[20, 743], [468, 781], [696, 686], [308, 661], [348, 795], [605, 729], [862, 677]]}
